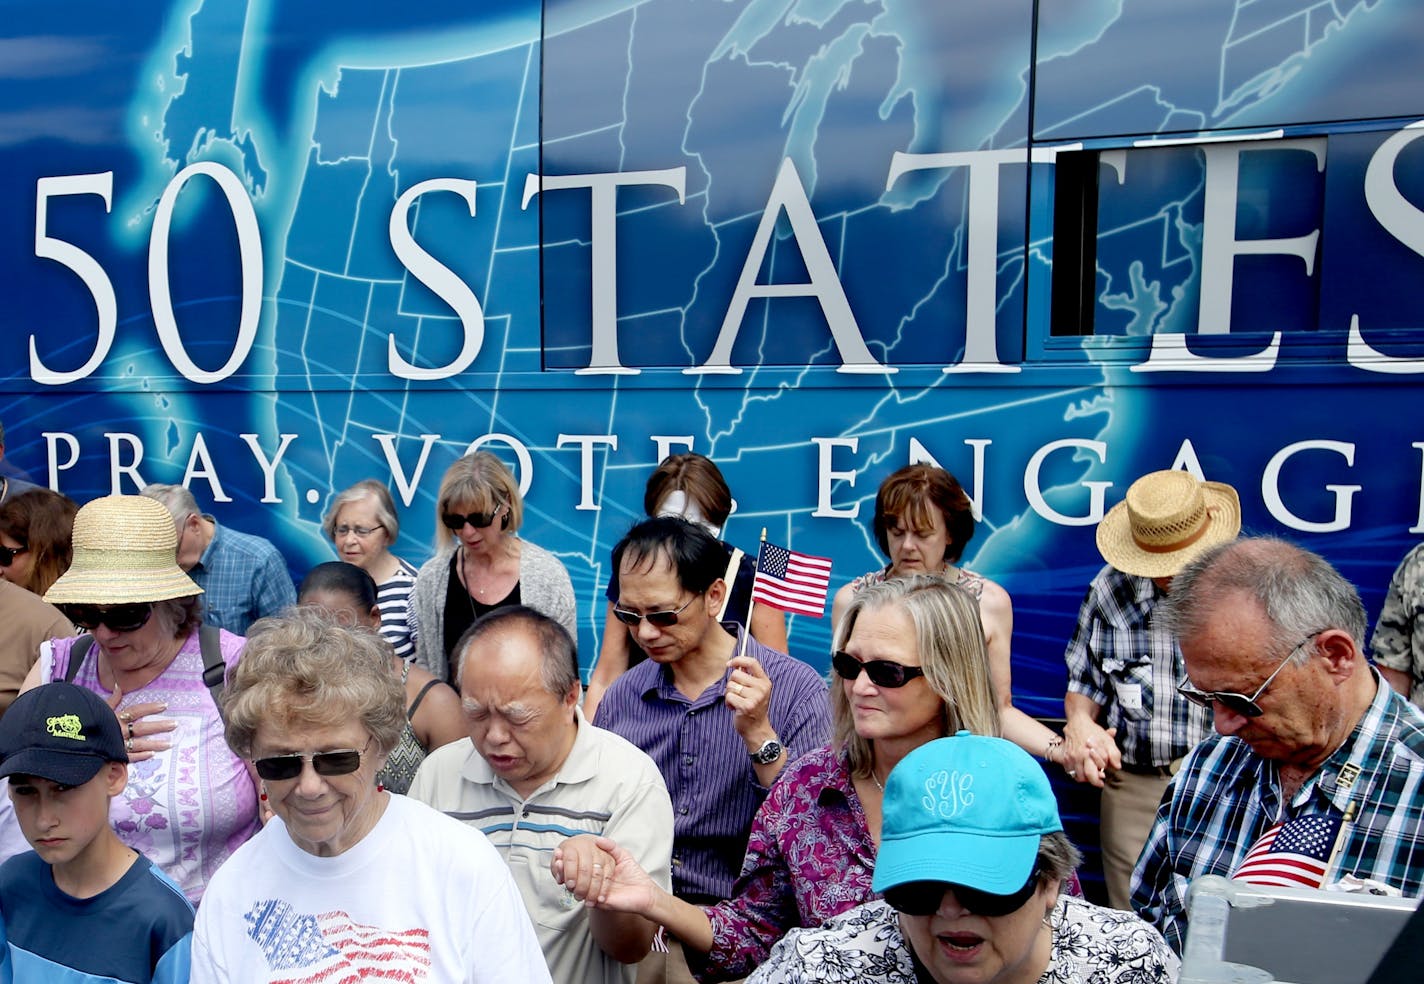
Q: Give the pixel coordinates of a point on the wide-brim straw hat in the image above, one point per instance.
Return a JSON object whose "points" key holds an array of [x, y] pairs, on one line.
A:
{"points": [[125, 551], [1166, 520]]}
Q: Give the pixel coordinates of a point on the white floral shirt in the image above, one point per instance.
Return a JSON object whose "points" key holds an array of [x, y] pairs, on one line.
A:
{"points": [[1091, 945]]}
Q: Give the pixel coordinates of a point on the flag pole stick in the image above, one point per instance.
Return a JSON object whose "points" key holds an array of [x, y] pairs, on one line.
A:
{"points": [[1339, 842], [751, 602]]}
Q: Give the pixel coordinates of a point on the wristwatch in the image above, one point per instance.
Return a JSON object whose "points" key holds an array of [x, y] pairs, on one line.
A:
{"points": [[768, 753]]}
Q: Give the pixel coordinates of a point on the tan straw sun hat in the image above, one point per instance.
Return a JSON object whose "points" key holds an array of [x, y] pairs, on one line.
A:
{"points": [[1166, 519], [125, 550]]}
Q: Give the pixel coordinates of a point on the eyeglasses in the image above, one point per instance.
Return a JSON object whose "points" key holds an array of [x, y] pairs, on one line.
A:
{"points": [[882, 672], [923, 898], [119, 618], [1240, 703], [663, 619], [361, 531], [478, 520], [342, 762], [8, 554]]}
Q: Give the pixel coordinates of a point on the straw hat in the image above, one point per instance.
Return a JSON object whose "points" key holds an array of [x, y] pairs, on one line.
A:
{"points": [[1167, 519], [125, 550]]}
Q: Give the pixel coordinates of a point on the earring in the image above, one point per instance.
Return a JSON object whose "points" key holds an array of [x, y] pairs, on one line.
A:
{"points": [[262, 792]]}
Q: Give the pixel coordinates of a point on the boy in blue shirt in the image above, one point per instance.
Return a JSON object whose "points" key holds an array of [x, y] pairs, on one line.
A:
{"points": [[83, 906]]}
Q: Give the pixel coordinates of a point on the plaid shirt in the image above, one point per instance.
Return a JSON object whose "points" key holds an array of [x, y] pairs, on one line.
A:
{"points": [[1226, 797], [1121, 663], [243, 578], [1398, 642]]}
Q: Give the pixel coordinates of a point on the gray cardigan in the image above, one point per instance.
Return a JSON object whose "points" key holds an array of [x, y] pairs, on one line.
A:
{"points": [[544, 585]]}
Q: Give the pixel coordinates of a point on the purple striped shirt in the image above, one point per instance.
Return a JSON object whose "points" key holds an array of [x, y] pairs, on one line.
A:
{"points": [[714, 789]]}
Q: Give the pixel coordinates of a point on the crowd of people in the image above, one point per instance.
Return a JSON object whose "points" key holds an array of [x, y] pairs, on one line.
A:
{"points": [[394, 770]]}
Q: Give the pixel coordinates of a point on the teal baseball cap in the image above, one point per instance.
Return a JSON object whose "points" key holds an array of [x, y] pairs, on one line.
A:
{"points": [[968, 810]]}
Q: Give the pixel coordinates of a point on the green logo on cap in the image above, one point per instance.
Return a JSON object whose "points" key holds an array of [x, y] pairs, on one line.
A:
{"points": [[66, 726]]}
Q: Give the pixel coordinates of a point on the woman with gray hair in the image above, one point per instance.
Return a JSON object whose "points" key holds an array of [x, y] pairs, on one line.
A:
{"points": [[482, 563], [338, 884], [363, 526], [912, 666], [190, 802]]}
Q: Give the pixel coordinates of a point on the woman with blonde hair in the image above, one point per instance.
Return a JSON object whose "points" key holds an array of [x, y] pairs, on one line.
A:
{"points": [[482, 563], [36, 531], [912, 667]]}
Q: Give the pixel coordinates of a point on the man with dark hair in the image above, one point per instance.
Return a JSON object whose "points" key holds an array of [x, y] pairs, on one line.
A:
{"points": [[1311, 742], [719, 713], [534, 776]]}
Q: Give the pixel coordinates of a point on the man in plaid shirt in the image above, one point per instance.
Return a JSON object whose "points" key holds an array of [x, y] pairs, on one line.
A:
{"points": [[1123, 668], [1270, 634]]}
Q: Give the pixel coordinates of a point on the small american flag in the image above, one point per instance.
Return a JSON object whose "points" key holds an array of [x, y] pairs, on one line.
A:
{"points": [[793, 582], [1293, 854], [331, 948]]}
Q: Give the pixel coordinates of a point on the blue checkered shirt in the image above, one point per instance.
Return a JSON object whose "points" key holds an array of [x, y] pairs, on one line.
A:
{"points": [[1226, 797], [1120, 662], [243, 578]]}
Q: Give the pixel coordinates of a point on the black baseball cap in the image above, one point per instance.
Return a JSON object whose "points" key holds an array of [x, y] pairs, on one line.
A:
{"points": [[60, 732]]}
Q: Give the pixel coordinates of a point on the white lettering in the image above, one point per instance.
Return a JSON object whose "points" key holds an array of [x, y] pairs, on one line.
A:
{"points": [[85, 267], [52, 441], [665, 442], [1404, 221], [1187, 461], [1096, 490], [1271, 491], [1418, 526], [525, 472], [603, 247], [405, 487], [586, 443], [207, 471], [824, 284], [439, 278], [117, 470], [919, 454], [269, 468], [825, 476]]}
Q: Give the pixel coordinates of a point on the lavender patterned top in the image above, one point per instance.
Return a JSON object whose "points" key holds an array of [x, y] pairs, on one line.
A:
{"points": [[186, 809], [809, 857]]}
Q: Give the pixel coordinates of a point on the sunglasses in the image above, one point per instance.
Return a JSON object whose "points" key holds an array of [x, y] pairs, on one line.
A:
{"points": [[923, 898], [277, 768], [882, 672], [119, 618], [479, 520], [8, 554], [1240, 703], [663, 619]]}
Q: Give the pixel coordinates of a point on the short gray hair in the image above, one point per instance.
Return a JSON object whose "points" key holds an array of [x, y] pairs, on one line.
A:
{"points": [[558, 664], [175, 498], [1299, 592], [367, 488], [1057, 858]]}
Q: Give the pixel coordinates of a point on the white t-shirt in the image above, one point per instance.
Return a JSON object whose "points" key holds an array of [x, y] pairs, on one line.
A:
{"points": [[422, 897]]}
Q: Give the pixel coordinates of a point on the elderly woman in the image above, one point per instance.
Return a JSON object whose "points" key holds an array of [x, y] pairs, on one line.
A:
{"points": [[36, 530], [912, 667], [190, 802], [347, 879], [690, 486], [433, 716], [363, 525], [972, 861], [482, 565], [923, 521]]}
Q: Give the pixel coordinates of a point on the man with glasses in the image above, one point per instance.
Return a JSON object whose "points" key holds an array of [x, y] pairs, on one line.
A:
{"points": [[719, 713], [1126, 728], [1306, 729], [243, 577]]}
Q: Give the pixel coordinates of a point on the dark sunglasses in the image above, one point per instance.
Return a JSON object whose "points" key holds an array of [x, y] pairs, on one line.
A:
{"points": [[1239, 703], [663, 619], [923, 898], [8, 554], [882, 672], [119, 618], [478, 520], [276, 768]]}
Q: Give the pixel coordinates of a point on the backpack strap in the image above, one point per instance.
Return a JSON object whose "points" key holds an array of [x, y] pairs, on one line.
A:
{"points": [[214, 669], [77, 654]]}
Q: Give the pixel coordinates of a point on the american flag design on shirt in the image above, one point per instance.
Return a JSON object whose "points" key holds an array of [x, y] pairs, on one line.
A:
{"points": [[331, 948], [1293, 854]]}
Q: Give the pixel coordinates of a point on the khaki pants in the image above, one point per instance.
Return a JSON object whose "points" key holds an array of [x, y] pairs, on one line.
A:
{"points": [[1129, 806], [667, 968]]}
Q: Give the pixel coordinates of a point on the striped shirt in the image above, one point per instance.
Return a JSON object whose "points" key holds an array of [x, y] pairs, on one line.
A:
{"points": [[1128, 667], [1226, 797], [398, 622], [714, 788]]}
